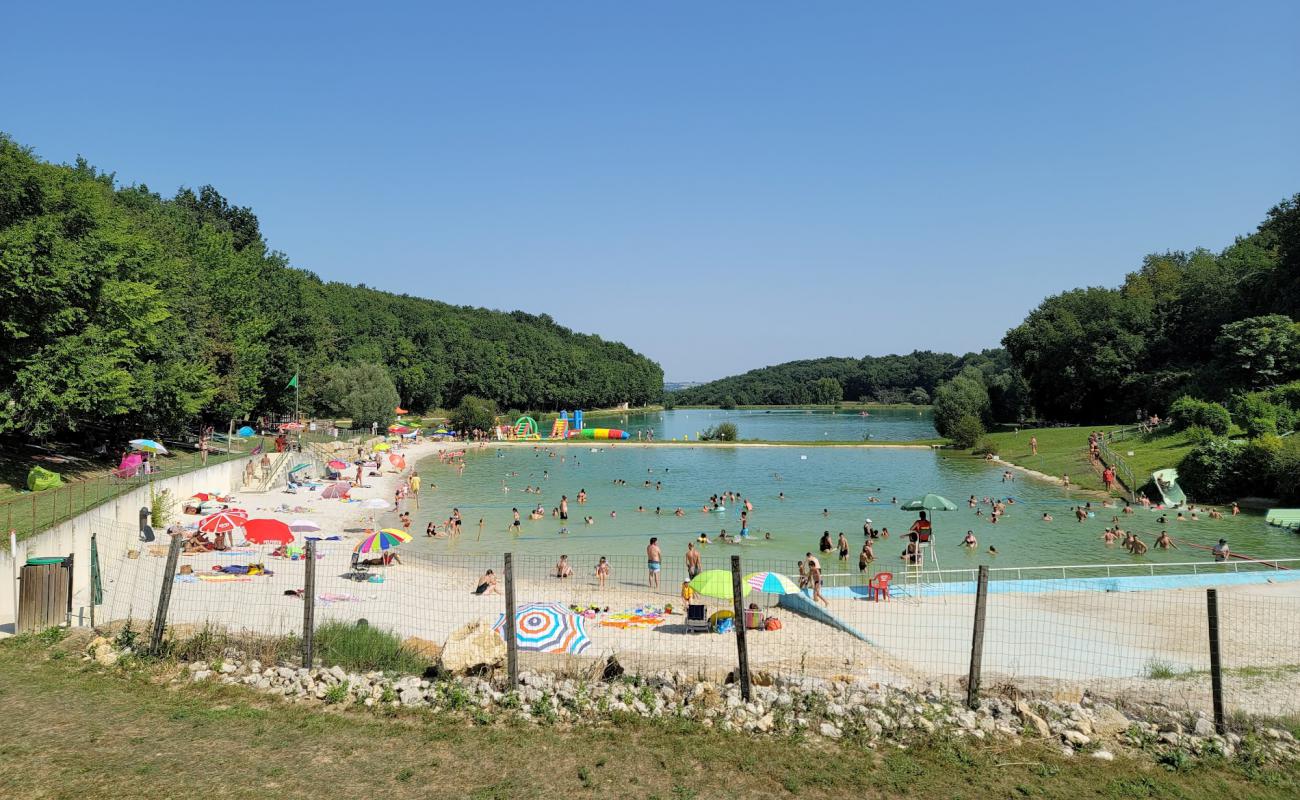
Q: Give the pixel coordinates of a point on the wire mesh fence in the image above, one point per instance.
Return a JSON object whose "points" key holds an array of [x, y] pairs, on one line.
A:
{"points": [[1063, 639]]}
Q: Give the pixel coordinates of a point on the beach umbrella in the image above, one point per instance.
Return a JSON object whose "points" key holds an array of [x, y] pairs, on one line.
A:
{"points": [[397, 428], [376, 503], [244, 432], [716, 583], [300, 467], [292, 426], [265, 531], [929, 502], [380, 541], [771, 582], [223, 521], [382, 446], [547, 628], [337, 465], [202, 497], [397, 461], [148, 446], [340, 490], [399, 411], [304, 526]]}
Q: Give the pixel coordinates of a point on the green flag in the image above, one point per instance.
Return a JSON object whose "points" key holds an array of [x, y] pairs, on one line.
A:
{"points": [[293, 382]]}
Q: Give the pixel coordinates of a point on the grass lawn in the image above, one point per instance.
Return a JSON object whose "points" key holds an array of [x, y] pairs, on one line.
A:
{"points": [[77, 731], [1061, 451]]}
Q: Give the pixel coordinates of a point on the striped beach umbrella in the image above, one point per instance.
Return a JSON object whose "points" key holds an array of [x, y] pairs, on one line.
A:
{"points": [[336, 490], [223, 521], [148, 446], [383, 540], [547, 628], [771, 582]]}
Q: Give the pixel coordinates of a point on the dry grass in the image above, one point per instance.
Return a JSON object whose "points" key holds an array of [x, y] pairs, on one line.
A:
{"points": [[74, 730]]}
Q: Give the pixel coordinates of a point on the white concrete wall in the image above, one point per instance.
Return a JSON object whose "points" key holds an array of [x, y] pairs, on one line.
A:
{"points": [[111, 519]]}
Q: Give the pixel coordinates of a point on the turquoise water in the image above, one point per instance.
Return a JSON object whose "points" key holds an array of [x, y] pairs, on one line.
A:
{"points": [[782, 424], [836, 480]]}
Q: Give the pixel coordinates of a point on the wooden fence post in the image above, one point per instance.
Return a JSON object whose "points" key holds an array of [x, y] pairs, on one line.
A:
{"points": [[165, 596], [309, 607], [738, 606], [977, 639], [1216, 671], [512, 642]]}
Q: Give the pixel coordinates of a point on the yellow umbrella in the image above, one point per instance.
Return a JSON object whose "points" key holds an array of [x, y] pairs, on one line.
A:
{"points": [[382, 446]]}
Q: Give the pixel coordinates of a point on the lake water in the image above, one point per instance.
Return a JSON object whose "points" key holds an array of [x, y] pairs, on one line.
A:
{"points": [[824, 488], [782, 424]]}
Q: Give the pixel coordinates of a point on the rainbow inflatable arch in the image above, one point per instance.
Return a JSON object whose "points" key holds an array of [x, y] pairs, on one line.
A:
{"points": [[598, 433]]}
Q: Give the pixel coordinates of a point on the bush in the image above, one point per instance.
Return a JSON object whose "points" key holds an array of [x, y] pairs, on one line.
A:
{"points": [[1286, 470], [966, 395], [362, 392], [473, 413], [1187, 411], [363, 648], [1211, 472], [727, 403], [986, 446], [1199, 434], [919, 397], [966, 431], [722, 432]]}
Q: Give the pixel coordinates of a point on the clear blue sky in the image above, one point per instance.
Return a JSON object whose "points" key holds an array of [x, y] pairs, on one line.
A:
{"points": [[720, 185]]}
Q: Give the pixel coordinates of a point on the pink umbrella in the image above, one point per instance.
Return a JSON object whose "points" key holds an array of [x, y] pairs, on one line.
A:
{"points": [[130, 465], [336, 490], [337, 465], [223, 521], [264, 531]]}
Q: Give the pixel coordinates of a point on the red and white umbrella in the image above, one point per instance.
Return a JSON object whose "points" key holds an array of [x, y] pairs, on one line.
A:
{"points": [[223, 521], [336, 490], [266, 531]]}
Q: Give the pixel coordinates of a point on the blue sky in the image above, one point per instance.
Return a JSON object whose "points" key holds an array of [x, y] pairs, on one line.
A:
{"points": [[720, 185]]}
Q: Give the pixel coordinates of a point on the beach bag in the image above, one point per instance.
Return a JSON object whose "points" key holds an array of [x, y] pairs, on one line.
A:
{"points": [[772, 624]]}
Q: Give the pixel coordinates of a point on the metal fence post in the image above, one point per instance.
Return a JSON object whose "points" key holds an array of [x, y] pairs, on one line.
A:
{"points": [[309, 607], [165, 596], [977, 639], [1216, 671], [738, 604], [512, 643]]}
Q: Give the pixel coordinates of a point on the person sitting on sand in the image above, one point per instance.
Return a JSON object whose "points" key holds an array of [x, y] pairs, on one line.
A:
{"points": [[488, 584], [562, 568], [384, 560]]}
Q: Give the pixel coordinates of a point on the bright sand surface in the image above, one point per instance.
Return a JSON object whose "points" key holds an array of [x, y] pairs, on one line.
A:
{"points": [[1108, 642]]}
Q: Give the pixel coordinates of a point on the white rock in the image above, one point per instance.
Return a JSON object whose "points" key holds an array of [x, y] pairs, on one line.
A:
{"points": [[1103, 755], [829, 731]]}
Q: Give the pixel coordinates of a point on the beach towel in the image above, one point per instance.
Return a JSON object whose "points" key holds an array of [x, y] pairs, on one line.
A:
{"points": [[224, 578]]}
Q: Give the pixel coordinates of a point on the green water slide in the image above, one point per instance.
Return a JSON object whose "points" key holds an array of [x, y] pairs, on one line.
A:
{"points": [[1166, 481], [1284, 518]]}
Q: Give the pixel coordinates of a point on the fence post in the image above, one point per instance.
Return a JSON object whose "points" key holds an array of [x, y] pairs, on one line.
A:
{"points": [[309, 607], [512, 642], [165, 596], [738, 604], [977, 639], [1216, 672]]}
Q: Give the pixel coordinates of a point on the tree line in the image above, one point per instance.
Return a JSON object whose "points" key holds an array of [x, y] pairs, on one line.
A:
{"points": [[122, 310]]}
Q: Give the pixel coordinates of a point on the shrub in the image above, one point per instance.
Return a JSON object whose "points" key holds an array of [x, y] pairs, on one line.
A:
{"points": [[722, 432], [727, 403], [1199, 434], [1211, 471], [1187, 411], [986, 446], [966, 431], [363, 648], [918, 396], [1286, 469]]}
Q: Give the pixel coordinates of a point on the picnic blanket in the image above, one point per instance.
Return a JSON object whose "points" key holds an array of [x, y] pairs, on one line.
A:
{"points": [[636, 618]]}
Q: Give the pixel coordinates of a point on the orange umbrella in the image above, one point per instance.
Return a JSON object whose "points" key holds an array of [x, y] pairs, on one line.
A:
{"points": [[397, 461]]}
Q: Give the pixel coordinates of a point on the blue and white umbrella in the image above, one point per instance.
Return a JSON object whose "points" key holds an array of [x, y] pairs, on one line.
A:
{"points": [[148, 446], [547, 628]]}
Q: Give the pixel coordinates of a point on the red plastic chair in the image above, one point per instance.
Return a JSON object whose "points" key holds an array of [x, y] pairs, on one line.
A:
{"points": [[879, 585]]}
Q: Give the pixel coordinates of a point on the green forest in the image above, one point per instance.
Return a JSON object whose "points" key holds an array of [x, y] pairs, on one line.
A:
{"points": [[890, 379], [122, 310]]}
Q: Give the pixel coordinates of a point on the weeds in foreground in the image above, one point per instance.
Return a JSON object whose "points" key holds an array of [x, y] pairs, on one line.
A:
{"points": [[363, 648]]}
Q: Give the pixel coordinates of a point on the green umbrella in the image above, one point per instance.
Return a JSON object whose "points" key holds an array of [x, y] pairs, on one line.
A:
{"points": [[929, 502], [301, 466], [716, 583]]}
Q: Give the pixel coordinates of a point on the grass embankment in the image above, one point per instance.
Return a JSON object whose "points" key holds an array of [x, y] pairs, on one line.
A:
{"points": [[87, 483], [74, 730], [1064, 451]]}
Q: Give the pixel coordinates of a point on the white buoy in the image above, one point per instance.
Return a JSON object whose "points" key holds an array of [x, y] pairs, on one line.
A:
{"points": [[803, 458]]}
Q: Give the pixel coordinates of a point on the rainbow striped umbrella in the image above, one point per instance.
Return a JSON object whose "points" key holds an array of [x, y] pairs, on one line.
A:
{"points": [[771, 582], [547, 628], [383, 540]]}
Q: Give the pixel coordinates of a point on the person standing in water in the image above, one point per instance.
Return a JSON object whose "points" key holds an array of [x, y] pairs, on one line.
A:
{"points": [[844, 547], [692, 560]]}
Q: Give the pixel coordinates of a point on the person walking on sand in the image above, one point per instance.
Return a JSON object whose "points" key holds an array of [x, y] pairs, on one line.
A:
{"points": [[602, 572], [415, 487], [654, 561], [692, 560]]}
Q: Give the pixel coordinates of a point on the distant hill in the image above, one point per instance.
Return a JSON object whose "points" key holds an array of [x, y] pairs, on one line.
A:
{"points": [[886, 379]]}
